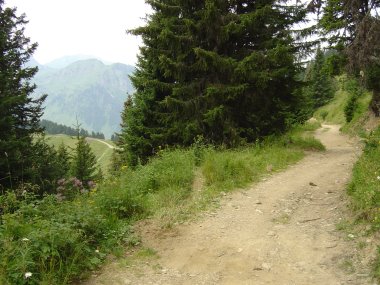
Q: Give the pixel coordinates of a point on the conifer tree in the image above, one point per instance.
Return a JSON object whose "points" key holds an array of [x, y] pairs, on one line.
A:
{"points": [[20, 113], [63, 160], [355, 25], [321, 87], [221, 69], [84, 161]]}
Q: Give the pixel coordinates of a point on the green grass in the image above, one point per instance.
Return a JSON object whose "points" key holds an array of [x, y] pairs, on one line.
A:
{"points": [[364, 188], [333, 112], [102, 152], [365, 185], [59, 242]]}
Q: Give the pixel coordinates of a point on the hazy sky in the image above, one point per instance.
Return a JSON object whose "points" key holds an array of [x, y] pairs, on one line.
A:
{"points": [[87, 27]]}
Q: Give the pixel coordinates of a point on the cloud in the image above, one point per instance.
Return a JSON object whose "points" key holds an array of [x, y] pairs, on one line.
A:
{"points": [[91, 27]]}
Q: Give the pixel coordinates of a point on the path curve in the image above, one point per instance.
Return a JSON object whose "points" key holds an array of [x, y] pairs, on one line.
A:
{"points": [[281, 231], [103, 142]]}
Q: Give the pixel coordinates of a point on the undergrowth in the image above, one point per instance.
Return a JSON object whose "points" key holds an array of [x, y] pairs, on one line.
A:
{"points": [[49, 241]]}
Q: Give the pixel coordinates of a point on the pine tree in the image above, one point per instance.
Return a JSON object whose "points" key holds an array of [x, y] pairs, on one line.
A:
{"points": [[321, 86], [63, 160], [20, 113], [355, 25], [84, 161], [221, 69]]}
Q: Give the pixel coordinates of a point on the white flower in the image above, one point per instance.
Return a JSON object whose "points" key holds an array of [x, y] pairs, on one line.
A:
{"points": [[97, 251], [25, 239], [28, 275], [378, 177]]}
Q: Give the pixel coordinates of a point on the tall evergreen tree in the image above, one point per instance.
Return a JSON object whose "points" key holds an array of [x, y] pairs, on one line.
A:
{"points": [[221, 69], [63, 160], [355, 25], [320, 83], [84, 161], [20, 113]]}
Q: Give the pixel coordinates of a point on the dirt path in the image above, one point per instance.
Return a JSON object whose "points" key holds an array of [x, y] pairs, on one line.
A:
{"points": [[281, 231]]}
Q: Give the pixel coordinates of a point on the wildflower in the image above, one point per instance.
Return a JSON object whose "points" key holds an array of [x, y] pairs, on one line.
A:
{"points": [[378, 177], [97, 250], [83, 191], [91, 184], [28, 275], [61, 182], [25, 239], [77, 183], [60, 197]]}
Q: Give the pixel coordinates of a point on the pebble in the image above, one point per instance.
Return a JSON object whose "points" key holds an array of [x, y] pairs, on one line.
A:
{"points": [[266, 266]]}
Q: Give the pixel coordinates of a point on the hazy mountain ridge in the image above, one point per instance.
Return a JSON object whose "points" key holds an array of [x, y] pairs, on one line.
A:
{"points": [[88, 90]]}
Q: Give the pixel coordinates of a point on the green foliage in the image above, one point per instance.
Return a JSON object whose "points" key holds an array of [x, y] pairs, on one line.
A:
{"points": [[220, 69], [59, 238], [320, 86], [301, 137], [84, 161], [63, 160], [354, 90], [103, 153], [354, 27], [52, 128], [20, 113], [54, 241], [348, 89], [365, 184]]}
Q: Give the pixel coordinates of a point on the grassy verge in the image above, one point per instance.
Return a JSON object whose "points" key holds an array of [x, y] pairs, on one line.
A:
{"points": [[50, 241], [365, 188]]}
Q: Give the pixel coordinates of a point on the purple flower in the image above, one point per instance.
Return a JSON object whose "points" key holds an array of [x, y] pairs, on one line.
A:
{"points": [[61, 189], [60, 197], [61, 182], [77, 183], [91, 184], [83, 191]]}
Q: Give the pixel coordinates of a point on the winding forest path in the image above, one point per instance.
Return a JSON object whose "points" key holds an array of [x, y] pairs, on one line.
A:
{"points": [[281, 231]]}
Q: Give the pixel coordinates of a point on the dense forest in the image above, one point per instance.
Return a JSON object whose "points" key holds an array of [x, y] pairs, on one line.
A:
{"points": [[212, 75], [52, 128]]}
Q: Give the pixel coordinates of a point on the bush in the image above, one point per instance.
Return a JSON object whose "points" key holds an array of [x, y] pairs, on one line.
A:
{"points": [[54, 241]]}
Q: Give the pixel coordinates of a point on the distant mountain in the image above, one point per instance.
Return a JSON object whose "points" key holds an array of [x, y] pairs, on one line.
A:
{"points": [[65, 61], [88, 90]]}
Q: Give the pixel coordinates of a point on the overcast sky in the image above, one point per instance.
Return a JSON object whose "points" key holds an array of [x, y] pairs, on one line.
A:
{"points": [[86, 27]]}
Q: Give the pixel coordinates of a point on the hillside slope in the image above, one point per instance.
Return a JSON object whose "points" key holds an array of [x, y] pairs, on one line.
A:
{"points": [[88, 90]]}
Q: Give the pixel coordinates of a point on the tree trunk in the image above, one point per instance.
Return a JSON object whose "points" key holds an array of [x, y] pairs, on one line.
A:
{"points": [[375, 103]]}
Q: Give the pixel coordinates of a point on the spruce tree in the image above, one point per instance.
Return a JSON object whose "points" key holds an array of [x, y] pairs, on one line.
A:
{"points": [[20, 113], [83, 161], [355, 25], [321, 86], [221, 69], [63, 160]]}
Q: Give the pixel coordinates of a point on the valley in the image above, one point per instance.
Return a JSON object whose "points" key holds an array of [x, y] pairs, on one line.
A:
{"points": [[86, 90]]}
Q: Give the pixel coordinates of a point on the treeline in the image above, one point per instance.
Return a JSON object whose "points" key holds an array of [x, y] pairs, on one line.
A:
{"points": [[53, 128]]}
